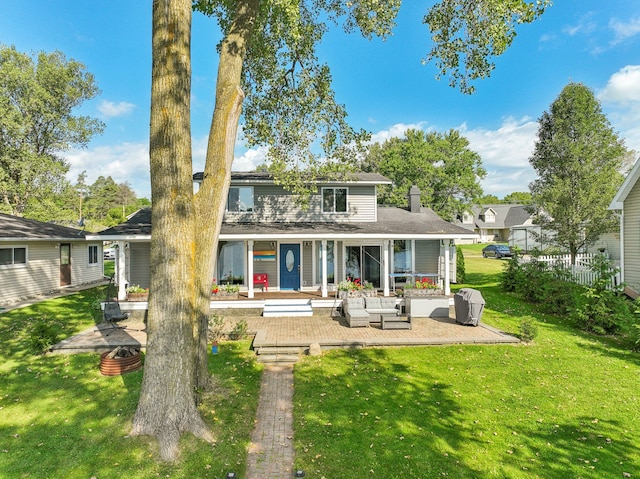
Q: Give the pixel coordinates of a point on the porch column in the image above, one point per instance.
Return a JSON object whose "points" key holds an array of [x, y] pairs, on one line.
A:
{"points": [[250, 268], [323, 252], [121, 270], [447, 269], [385, 267]]}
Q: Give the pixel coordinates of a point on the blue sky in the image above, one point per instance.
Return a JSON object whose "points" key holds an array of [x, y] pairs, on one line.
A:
{"points": [[384, 86]]}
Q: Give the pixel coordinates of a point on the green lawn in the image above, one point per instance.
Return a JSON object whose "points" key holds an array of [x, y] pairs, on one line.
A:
{"points": [[60, 418], [567, 405]]}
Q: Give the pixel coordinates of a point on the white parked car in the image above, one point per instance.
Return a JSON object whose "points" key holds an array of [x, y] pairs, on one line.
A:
{"points": [[109, 253]]}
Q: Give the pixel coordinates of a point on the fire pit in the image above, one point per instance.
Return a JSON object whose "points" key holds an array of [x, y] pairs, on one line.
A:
{"points": [[120, 361]]}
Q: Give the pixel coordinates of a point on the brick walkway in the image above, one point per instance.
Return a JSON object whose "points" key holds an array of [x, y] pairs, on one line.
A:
{"points": [[271, 449]]}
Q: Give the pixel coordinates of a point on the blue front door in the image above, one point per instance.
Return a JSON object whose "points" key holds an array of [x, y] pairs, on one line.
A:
{"points": [[289, 266]]}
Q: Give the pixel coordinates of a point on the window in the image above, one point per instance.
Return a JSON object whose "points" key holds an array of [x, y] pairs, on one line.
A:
{"points": [[467, 218], [231, 263], [402, 258], [93, 254], [13, 256], [240, 199], [334, 200], [330, 262]]}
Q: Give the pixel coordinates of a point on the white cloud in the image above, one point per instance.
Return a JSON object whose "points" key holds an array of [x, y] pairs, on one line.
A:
{"points": [[621, 101], [623, 86], [584, 26], [505, 154], [396, 131], [126, 162], [110, 109], [510, 146], [624, 30]]}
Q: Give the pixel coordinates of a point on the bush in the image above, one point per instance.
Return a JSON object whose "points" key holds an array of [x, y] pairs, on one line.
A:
{"points": [[216, 327], [239, 331], [528, 329], [604, 312], [42, 335], [460, 268], [511, 276]]}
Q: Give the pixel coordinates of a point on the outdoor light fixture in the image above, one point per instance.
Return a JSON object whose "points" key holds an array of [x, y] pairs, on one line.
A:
{"points": [[299, 473], [231, 475]]}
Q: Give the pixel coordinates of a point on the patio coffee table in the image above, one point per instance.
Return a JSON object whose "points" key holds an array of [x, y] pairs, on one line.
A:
{"points": [[393, 321]]}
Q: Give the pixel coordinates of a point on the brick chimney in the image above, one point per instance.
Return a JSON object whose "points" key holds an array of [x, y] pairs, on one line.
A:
{"points": [[414, 199]]}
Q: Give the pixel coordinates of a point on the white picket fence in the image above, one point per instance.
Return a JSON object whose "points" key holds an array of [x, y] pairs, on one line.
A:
{"points": [[581, 272]]}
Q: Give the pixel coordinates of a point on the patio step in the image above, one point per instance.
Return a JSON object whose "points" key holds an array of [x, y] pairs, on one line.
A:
{"points": [[278, 358], [287, 307], [281, 350]]}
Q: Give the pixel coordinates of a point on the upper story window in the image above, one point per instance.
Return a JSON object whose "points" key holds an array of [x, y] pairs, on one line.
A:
{"points": [[13, 256], [334, 200], [240, 199], [93, 254], [489, 216], [467, 218]]}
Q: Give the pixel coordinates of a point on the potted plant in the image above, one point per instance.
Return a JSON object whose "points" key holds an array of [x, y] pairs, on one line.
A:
{"points": [[137, 293], [350, 288], [225, 291], [422, 287]]}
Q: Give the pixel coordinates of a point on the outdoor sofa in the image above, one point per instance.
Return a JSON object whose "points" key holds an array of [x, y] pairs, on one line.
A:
{"points": [[362, 311]]}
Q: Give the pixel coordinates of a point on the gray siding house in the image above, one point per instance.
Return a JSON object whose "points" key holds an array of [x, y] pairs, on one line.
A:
{"points": [[627, 203], [495, 222], [38, 258], [343, 233]]}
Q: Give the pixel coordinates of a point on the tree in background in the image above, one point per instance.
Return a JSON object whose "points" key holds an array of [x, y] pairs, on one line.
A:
{"points": [[578, 159], [37, 122], [268, 65], [447, 172], [518, 197]]}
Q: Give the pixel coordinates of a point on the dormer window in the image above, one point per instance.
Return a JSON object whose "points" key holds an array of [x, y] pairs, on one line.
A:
{"points": [[467, 218], [240, 199], [489, 216], [334, 200]]}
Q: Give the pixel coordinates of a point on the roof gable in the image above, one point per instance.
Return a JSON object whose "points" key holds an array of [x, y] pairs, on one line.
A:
{"points": [[627, 185]]}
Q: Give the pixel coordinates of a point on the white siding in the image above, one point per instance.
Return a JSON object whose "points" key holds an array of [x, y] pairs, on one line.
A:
{"points": [[81, 271], [273, 203], [42, 272], [632, 239]]}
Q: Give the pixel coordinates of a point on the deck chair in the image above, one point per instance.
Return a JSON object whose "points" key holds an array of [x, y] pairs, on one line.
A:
{"points": [[112, 312]]}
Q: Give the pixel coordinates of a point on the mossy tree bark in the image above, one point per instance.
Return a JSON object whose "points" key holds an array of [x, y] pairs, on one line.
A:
{"points": [[167, 405]]}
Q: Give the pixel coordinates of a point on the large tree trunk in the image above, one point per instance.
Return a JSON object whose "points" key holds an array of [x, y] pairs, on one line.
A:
{"points": [[167, 405], [212, 196]]}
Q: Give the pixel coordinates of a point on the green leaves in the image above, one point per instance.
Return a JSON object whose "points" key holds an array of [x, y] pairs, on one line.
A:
{"points": [[578, 158], [37, 102], [467, 34], [440, 164]]}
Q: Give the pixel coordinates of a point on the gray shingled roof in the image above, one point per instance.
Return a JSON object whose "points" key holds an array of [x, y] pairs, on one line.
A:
{"points": [[391, 222], [14, 227], [262, 177]]}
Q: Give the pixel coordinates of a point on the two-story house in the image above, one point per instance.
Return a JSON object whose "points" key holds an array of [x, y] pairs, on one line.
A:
{"points": [[343, 233], [496, 222]]}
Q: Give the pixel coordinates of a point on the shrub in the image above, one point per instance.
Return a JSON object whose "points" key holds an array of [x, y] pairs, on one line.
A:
{"points": [[216, 327], [511, 276], [460, 268], [239, 331], [528, 329], [42, 335]]}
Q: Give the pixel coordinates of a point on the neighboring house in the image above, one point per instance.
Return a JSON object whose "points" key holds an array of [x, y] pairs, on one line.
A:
{"points": [[37, 258], [343, 233], [627, 203], [495, 222]]}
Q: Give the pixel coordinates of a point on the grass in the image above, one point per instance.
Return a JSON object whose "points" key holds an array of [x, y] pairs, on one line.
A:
{"points": [[60, 418], [566, 405]]}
